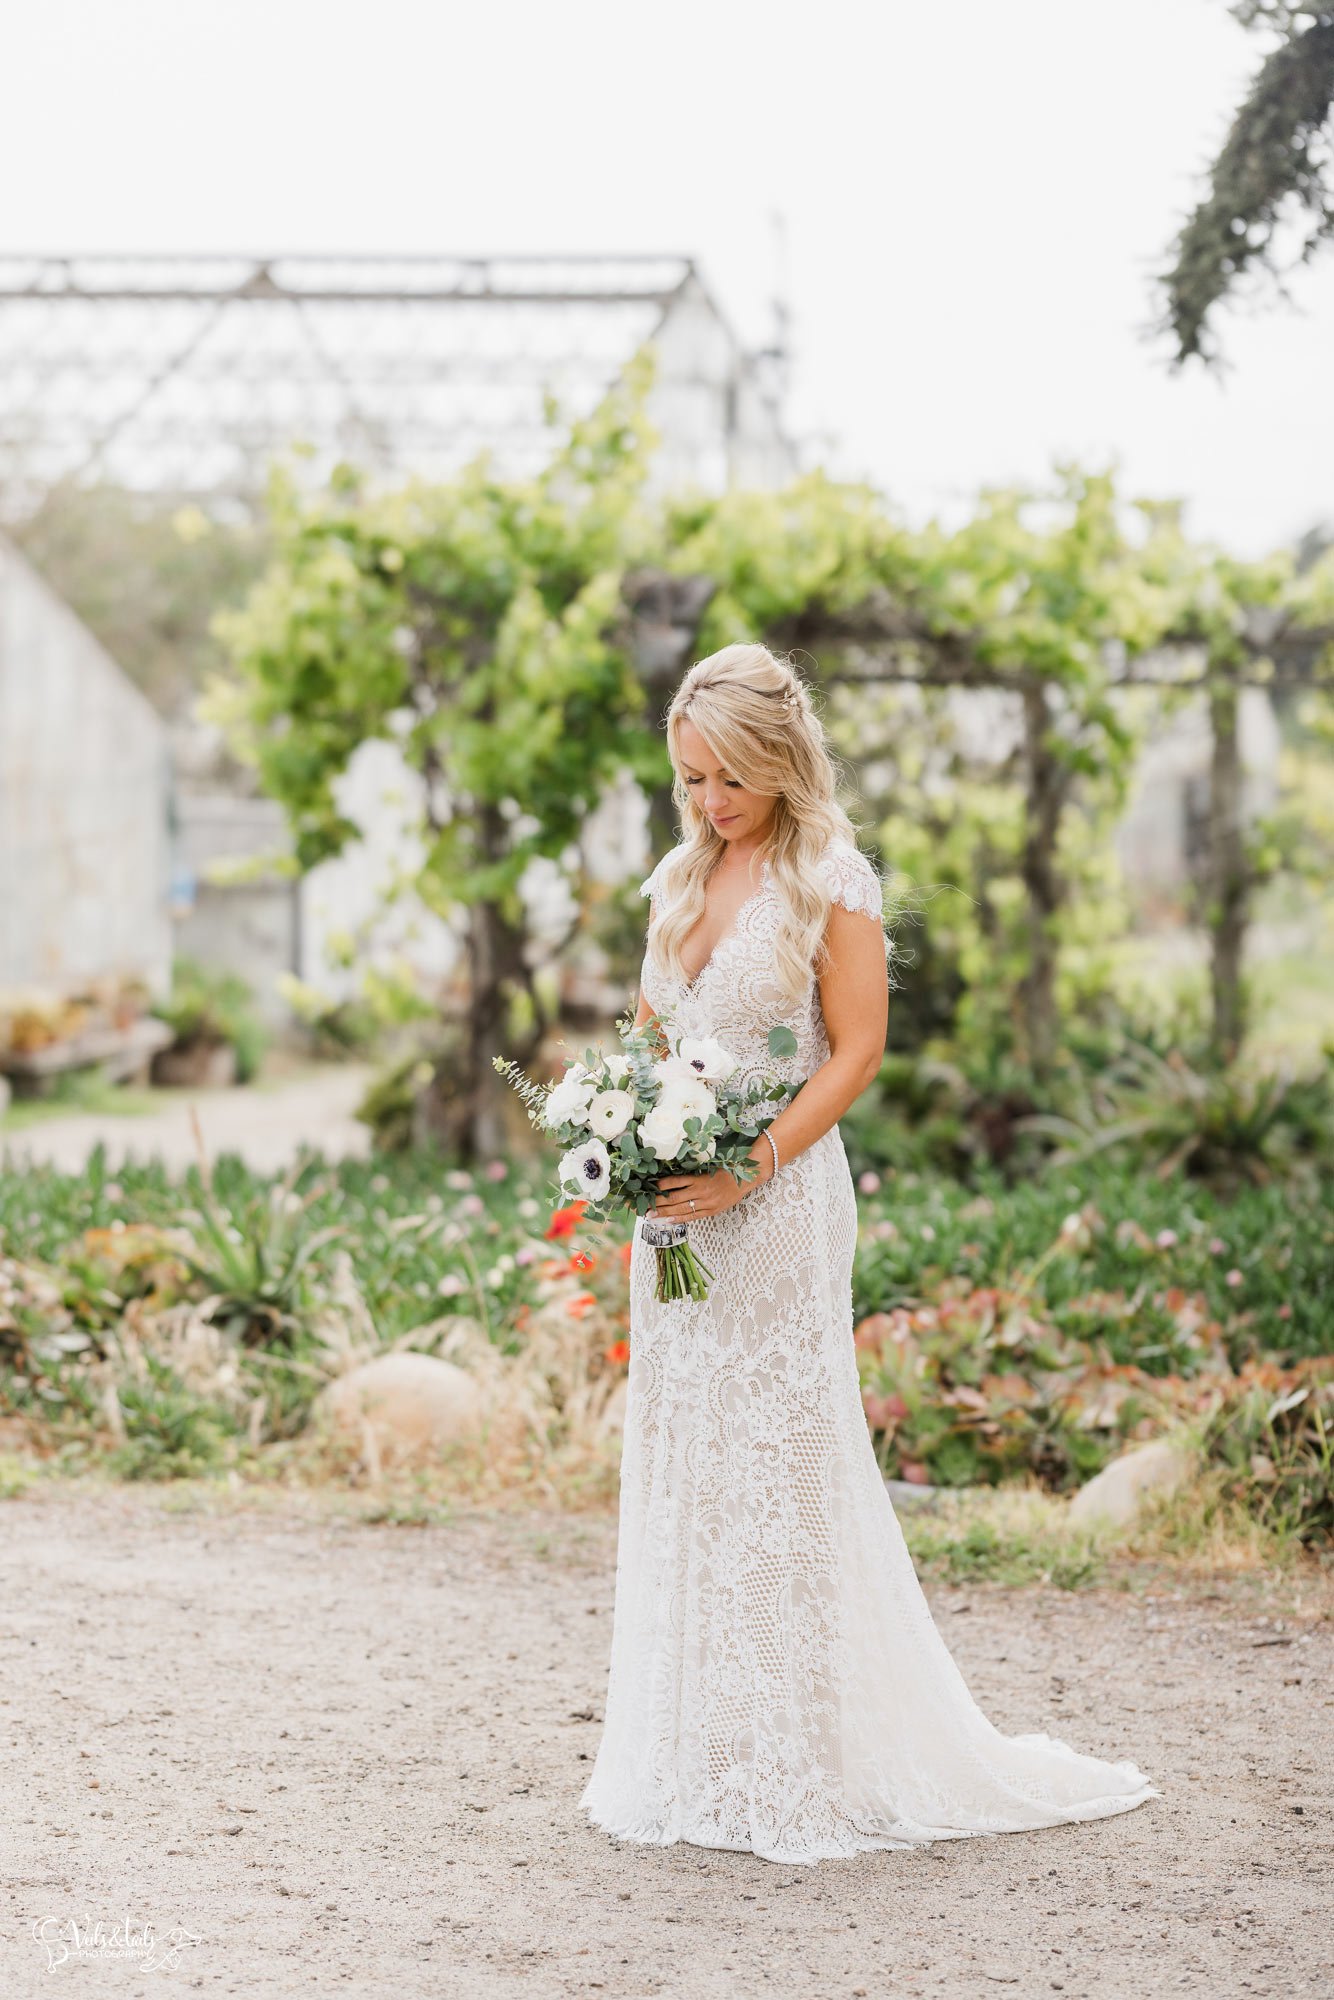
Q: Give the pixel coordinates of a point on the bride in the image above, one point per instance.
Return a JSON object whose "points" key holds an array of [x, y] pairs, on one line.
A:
{"points": [[777, 1683]]}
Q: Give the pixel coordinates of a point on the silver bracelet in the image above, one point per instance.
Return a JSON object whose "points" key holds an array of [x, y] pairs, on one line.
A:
{"points": [[773, 1143]]}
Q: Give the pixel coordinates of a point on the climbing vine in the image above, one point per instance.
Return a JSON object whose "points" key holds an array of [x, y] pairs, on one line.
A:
{"points": [[517, 641]]}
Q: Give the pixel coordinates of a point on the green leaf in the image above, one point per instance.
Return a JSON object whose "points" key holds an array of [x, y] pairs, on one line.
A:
{"points": [[782, 1043]]}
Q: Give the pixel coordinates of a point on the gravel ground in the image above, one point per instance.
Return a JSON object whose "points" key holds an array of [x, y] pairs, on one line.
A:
{"points": [[345, 1758]]}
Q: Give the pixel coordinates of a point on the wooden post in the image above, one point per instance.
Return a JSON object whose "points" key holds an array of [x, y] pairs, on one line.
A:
{"points": [[1228, 868], [1046, 784], [664, 615]]}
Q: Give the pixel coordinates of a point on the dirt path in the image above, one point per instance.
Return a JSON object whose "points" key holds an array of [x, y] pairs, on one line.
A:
{"points": [[347, 1757], [266, 1125]]}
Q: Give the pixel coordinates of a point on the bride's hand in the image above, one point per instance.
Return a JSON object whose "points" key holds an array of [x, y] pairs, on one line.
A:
{"points": [[686, 1197]]}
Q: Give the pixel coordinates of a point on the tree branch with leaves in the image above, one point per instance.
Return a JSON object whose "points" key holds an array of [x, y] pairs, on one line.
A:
{"points": [[479, 626], [1273, 171]]}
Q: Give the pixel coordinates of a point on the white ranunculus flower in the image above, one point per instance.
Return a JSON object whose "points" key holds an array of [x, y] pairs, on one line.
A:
{"points": [[685, 1104], [567, 1103], [685, 1092], [610, 1112], [706, 1058], [663, 1132], [587, 1169]]}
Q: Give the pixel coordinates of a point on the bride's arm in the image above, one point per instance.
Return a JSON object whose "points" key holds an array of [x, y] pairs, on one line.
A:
{"points": [[854, 994], [643, 1017], [644, 1013]]}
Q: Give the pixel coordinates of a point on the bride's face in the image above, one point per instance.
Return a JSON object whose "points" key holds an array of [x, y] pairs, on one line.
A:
{"points": [[735, 813]]}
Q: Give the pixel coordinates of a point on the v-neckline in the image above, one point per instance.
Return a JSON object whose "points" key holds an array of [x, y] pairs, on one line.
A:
{"points": [[732, 929]]}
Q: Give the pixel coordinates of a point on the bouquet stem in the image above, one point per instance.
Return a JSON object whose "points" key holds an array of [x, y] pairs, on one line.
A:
{"points": [[680, 1273]]}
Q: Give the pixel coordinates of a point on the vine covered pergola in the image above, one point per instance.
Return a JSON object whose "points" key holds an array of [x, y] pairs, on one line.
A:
{"points": [[520, 641]]}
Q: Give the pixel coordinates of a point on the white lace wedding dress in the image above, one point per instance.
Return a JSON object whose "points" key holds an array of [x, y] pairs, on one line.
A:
{"points": [[777, 1683]]}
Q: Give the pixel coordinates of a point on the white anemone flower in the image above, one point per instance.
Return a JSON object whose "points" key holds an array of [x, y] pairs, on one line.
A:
{"points": [[587, 1169], [706, 1058], [663, 1132], [610, 1112], [567, 1103]]}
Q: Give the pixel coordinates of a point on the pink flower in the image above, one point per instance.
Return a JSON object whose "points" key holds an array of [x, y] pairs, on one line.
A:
{"points": [[472, 1204], [1285, 1312], [1233, 1278], [883, 1412], [1167, 1239], [496, 1170], [1216, 1246], [869, 1183]]}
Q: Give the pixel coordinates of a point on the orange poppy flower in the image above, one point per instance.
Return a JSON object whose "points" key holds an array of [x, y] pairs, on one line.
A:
{"points": [[581, 1305], [566, 1220], [625, 1252], [618, 1353], [583, 1260]]}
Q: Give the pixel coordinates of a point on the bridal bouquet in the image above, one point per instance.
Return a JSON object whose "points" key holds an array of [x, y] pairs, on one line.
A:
{"points": [[631, 1117]]}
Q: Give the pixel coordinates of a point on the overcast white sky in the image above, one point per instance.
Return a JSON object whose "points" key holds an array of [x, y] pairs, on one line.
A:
{"points": [[975, 196]]}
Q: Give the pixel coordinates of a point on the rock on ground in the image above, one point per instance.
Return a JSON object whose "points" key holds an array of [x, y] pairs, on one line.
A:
{"points": [[414, 1404], [1116, 1494], [347, 1758]]}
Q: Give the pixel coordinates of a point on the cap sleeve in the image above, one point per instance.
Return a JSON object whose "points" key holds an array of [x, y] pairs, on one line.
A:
{"points": [[852, 881], [653, 883]]}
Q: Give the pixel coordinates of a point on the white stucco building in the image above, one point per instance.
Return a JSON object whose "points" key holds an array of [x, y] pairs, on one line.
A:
{"points": [[83, 803]]}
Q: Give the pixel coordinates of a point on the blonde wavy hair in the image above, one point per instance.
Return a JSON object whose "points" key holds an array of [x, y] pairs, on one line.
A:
{"points": [[756, 714]]}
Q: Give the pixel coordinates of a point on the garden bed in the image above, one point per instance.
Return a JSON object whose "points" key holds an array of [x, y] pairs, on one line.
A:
{"points": [[168, 1327]]}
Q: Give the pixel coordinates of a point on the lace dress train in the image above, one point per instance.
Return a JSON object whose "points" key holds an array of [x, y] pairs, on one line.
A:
{"points": [[777, 1683]]}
